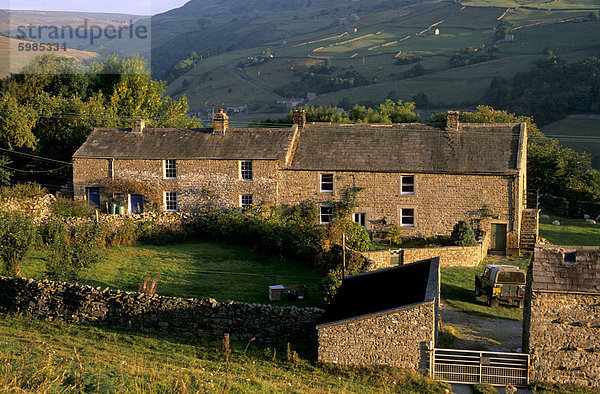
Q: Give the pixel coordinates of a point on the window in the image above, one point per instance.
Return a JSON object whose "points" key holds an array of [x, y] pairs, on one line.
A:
{"points": [[246, 170], [170, 169], [325, 214], [408, 184], [171, 201], [407, 217], [360, 218], [327, 183], [246, 200], [111, 173]]}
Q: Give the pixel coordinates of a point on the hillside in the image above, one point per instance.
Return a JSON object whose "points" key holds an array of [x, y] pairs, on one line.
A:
{"points": [[362, 52]]}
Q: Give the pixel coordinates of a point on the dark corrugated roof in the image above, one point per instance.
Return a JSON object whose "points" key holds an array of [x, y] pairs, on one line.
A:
{"points": [[187, 144], [475, 148], [380, 290], [550, 272]]}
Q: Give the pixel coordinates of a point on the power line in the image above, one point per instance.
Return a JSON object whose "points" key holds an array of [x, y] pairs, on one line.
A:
{"points": [[35, 156], [36, 171]]}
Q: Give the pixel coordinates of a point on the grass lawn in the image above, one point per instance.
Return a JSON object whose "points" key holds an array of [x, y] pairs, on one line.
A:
{"points": [[38, 356], [197, 269], [458, 290], [575, 232]]}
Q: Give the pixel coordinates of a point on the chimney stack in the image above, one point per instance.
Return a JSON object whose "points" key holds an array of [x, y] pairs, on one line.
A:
{"points": [[299, 117], [220, 122], [138, 125], [452, 123]]}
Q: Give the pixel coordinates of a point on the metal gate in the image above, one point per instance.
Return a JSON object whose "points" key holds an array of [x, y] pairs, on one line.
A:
{"points": [[473, 367]]}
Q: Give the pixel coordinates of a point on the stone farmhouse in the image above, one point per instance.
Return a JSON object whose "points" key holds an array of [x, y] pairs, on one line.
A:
{"points": [[422, 178]]}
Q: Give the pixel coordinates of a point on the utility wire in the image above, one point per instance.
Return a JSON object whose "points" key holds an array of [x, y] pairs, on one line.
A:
{"points": [[35, 156]]}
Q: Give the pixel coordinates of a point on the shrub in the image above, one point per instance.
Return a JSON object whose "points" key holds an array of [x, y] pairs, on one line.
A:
{"points": [[305, 213], [153, 233], [331, 262], [121, 235], [64, 207], [22, 191], [17, 234], [394, 235], [72, 248], [357, 237], [484, 389], [463, 234]]}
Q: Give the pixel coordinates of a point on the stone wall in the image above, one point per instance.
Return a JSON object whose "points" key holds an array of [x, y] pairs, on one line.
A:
{"points": [[398, 338], [200, 184], [450, 256], [562, 334], [588, 208], [439, 201], [73, 303], [38, 207], [556, 205]]}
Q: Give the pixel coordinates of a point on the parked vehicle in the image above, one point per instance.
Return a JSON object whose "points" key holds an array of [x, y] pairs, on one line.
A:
{"points": [[501, 283]]}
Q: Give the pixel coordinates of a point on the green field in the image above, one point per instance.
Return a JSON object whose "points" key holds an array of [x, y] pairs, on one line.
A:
{"points": [[199, 269], [38, 356], [385, 32], [580, 134], [574, 232]]}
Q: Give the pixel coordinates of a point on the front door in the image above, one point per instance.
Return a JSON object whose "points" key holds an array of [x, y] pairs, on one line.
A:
{"points": [[93, 195], [498, 237], [136, 203]]}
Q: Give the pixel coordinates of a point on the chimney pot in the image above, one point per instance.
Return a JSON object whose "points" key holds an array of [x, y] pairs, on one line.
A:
{"points": [[299, 117], [220, 122], [138, 125], [452, 123]]}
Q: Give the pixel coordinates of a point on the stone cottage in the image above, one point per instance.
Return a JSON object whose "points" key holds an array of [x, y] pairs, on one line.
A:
{"points": [[384, 317], [561, 318], [422, 178]]}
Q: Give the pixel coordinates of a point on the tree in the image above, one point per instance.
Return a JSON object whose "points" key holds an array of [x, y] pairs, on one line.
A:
{"points": [[16, 122], [5, 173], [503, 29], [463, 234], [17, 234], [594, 15]]}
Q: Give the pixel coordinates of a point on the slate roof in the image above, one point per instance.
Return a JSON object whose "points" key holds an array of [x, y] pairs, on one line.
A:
{"points": [[475, 148], [550, 273], [380, 290], [187, 144]]}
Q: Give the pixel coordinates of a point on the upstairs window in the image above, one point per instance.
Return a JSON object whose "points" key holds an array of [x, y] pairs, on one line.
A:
{"points": [[327, 183], [111, 172], [325, 214], [246, 170], [171, 201], [408, 184], [407, 217], [246, 201], [170, 169]]}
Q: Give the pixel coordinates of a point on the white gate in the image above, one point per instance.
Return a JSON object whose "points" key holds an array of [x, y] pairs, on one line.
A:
{"points": [[473, 367]]}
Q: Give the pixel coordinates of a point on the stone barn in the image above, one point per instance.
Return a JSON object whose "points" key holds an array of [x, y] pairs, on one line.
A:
{"points": [[383, 317], [561, 318]]}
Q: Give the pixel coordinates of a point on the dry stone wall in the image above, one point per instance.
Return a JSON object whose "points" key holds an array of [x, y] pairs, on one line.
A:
{"points": [[398, 338], [562, 334], [39, 207], [73, 303]]}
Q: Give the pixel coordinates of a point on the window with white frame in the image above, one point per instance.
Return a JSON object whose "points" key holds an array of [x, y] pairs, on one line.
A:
{"points": [[246, 200], [327, 183], [246, 170], [171, 201], [170, 169], [111, 170], [360, 218], [325, 214], [408, 184], [407, 217]]}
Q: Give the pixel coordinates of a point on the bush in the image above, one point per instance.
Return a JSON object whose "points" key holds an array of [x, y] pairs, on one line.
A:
{"points": [[64, 207], [152, 233], [22, 191], [331, 262], [17, 234], [484, 389], [463, 234], [357, 237], [72, 248], [124, 235]]}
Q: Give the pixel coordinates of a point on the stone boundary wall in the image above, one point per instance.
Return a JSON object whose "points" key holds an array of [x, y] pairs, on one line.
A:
{"points": [[398, 337], [556, 205], [38, 207], [72, 303], [562, 334], [450, 256], [588, 208]]}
